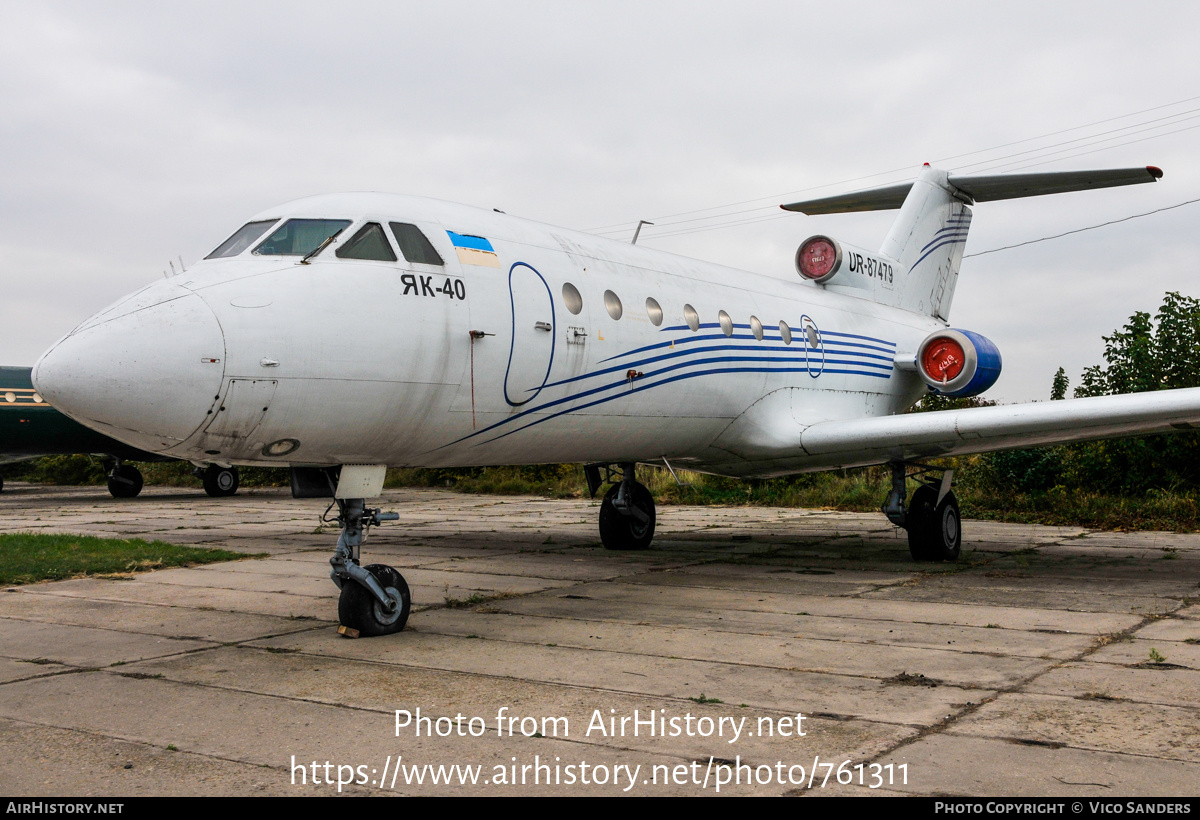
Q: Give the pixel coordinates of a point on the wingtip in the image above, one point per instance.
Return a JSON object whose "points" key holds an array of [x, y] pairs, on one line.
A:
{"points": [[1154, 172]]}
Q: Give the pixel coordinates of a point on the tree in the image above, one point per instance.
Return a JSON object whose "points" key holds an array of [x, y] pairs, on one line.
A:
{"points": [[1145, 355], [1058, 389]]}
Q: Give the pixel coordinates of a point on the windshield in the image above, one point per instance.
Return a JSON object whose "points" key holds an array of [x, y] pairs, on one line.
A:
{"points": [[242, 239], [300, 237]]}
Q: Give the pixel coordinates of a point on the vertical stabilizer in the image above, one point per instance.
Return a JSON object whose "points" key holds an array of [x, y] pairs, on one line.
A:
{"points": [[927, 239]]}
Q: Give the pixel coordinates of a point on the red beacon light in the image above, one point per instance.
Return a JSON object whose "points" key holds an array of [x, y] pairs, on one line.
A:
{"points": [[818, 258]]}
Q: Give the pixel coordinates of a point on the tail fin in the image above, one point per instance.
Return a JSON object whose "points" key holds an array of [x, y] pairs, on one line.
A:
{"points": [[927, 239], [930, 232]]}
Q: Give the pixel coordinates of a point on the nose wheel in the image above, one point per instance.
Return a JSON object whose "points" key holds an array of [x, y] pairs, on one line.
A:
{"points": [[375, 599], [358, 608]]}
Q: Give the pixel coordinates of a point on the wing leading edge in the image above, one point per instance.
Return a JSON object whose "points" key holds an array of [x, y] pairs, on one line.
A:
{"points": [[916, 436]]}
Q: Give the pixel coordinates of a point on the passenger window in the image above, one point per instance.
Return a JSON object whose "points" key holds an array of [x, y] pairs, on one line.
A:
{"points": [[654, 311], [691, 317], [369, 243], [241, 240], [572, 298], [785, 332], [415, 246], [756, 328], [726, 323], [300, 237], [612, 304]]}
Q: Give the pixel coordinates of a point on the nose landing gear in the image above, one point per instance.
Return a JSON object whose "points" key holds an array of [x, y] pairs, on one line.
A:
{"points": [[375, 599]]}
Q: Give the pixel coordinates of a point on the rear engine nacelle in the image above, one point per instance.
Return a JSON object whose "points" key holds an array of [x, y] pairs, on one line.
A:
{"points": [[826, 261], [958, 362]]}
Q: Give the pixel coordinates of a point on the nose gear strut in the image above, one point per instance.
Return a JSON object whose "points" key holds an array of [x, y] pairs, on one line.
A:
{"points": [[375, 599]]}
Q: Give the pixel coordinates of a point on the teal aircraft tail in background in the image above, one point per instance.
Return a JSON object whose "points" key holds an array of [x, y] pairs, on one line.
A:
{"points": [[30, 427]]}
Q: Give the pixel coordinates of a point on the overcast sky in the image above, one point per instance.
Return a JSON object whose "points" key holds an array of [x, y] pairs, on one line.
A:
{"points": [[133, 133]]}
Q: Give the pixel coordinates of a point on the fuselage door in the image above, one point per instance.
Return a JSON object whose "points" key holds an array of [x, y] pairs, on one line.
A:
{"points": [[531, 349], [242, 408]]}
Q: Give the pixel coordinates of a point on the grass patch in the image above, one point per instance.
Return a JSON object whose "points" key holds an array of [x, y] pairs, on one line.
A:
{"points": [[475, 599], [26, 558], [857, 490]]}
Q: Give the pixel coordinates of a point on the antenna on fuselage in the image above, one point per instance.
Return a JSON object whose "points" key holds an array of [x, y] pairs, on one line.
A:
{"points": [[641, 222]]}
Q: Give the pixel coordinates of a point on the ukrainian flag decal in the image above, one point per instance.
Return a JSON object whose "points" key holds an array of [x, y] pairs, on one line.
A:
{"points": [[474, 250]]}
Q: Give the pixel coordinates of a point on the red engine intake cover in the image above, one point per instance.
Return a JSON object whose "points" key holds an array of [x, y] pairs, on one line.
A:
{"points": [[943, 359]]}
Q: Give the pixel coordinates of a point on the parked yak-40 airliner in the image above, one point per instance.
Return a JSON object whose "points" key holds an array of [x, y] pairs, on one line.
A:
{"points": [[339, 334]]}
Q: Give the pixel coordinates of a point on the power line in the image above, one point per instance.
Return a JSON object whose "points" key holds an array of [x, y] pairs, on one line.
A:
{"points": [[746, 215], [1081, 230]]}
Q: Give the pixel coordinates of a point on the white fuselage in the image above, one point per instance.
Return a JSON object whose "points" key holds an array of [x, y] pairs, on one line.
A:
{"points": [[480, 361]]}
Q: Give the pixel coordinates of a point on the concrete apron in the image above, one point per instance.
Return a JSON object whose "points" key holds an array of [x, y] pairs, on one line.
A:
{"points": [[541, 663]]}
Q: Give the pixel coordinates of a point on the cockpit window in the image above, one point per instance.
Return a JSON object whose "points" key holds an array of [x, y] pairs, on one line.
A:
{"points": [[300, 237], [415, 246], [241, 240], [369, 243]]}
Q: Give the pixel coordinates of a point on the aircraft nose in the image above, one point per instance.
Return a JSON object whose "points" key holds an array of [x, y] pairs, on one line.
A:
{"points": [[146, 376]]}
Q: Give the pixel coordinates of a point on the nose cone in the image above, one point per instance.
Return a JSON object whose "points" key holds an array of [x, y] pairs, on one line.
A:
{"points": [[147, 375]]}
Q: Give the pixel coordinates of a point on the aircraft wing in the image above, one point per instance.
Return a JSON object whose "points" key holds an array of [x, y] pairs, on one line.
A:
{"points": [[916, 436]]}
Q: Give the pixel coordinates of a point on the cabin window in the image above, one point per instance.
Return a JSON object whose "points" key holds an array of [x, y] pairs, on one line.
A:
{"points": [[691, 317], [415, 246], [300, 237], [726, 323], [785, 332], [612, 304], [814, 341], [756, 328], [654, 311], [572, 299], [242, 239], [369, 243]]}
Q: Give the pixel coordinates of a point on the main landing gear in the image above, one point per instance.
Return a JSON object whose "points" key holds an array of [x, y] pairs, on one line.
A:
{"points": [[124, 480], [627, 511], [375, 599], [931, 518], [219, 482]]}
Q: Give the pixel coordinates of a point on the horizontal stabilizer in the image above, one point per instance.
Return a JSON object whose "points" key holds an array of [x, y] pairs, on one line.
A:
{"points": [[980, 188]]}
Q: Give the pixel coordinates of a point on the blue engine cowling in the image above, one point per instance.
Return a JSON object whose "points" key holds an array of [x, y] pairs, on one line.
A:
{"points": [[958, 363]]}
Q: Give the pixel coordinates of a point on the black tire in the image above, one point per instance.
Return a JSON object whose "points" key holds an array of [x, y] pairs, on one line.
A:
{"points": [[622, 532], [125, 481], [220, 482], [358, 609], [934, 530]]}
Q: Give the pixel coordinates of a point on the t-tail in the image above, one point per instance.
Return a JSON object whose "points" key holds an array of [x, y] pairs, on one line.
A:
{"points": [[917, 267]]}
